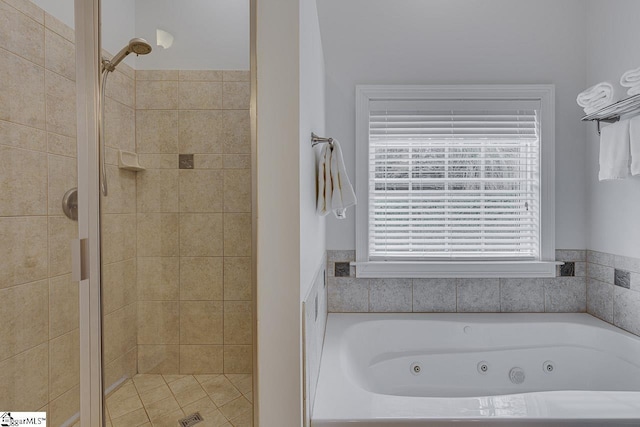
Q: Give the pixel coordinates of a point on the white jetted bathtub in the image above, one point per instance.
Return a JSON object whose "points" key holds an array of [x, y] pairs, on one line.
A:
{"points": [[397, 370]]}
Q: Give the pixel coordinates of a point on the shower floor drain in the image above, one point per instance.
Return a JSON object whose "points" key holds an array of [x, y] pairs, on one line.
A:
{"points": [[191, 420]]}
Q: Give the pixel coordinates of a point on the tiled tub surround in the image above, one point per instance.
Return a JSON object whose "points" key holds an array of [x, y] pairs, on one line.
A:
{"points": [[193, 222], [39, 335], [552, 295], [613, 289]]}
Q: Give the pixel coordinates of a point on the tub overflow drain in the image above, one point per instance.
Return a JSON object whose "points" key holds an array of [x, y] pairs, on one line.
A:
{"points": [[516, 375], [415, 368]]}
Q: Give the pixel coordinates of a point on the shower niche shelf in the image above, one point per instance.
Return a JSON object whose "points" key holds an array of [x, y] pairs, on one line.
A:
{"points": [[612, 113], [129, 161]]}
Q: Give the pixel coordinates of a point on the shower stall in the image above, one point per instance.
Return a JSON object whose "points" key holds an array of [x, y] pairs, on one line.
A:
{"points": [[126, 212]]}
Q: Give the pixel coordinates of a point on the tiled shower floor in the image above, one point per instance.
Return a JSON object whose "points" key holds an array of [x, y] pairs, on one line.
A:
{"points": [[154, 400]]}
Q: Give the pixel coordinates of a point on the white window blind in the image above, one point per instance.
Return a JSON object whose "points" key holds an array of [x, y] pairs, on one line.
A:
{"points": [[454, 179]]}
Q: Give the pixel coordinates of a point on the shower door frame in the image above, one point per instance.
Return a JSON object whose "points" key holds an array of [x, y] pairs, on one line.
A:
{"points": [[87, 23]]}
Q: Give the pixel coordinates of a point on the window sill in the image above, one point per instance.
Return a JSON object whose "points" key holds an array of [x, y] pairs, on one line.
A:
{"points": [[456, 269]]}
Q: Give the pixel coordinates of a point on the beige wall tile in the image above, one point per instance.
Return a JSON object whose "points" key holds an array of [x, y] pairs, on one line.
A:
{"points": [[59, 27], [236, 132], [236, 75], [119, 126], [117, 330], [207, 161], [60, 55], [19, 332], [237, 322], [64, 304], [200, 131], [201, 190], [236, 95], [30, 370], [63, 176], [238, 359], [64, 407], [155, 359], [25, 137], [201, 234], [157, 234], [125, 365], [122, 191], [118, 284], [156, 95], [201, 322], [237, 234], [158, 322], [158, 161], [157, 75], [22, 98], [23, 182], [61, 104], [62, 145], [21, 35], [28, 8], [121, 88], [64, 363], [199, 95], [23, 250], [201, 278], [61, 231], [158, 278], [118, 237], [157, 190], [157, 131], [237, 278], [197, 359], [201, 75], [237, 190], [237, 161]]}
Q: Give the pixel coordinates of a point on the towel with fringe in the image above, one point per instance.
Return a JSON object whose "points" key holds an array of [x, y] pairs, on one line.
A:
{"points": [[335, 192]]}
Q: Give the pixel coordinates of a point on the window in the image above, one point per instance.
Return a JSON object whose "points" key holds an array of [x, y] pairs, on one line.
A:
{"points": [[455, 181]]}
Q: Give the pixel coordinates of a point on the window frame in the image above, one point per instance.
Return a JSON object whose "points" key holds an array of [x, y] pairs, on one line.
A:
{"points": [[544, 267]]}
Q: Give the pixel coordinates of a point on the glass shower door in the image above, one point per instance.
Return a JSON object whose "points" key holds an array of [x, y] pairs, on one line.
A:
{"points": [[176, 220], [39, 330]]}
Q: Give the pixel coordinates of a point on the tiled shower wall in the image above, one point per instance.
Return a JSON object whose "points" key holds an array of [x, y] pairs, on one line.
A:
{"points": [[39, 336], [613, 289], [194, 222], [560, 294]]}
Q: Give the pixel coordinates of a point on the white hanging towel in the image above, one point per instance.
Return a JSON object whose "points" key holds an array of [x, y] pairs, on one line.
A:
{"points": [[335, 192], [634, 138], [599, 96], [631, 79], [614, 151]]}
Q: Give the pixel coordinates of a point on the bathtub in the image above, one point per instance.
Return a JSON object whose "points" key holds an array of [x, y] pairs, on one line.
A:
{"points": [[402, 370]]}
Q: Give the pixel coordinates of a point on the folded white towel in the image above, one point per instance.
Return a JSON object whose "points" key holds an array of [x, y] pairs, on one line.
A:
{"points": [[614, 151], [634, 138], [335, 192], [599, 96], [630, 78]]}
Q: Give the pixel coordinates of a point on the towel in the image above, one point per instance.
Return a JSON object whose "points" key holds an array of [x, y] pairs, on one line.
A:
{"points": [[599, 96], [634, 138], [335, 192], [631, 79], [614, 151]]}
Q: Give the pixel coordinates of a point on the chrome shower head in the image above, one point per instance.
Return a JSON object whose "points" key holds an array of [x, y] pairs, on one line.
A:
{"points": [[137, 45]]}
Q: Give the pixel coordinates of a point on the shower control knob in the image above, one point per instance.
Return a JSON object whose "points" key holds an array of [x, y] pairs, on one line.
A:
{"points": [[516, 375]]}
